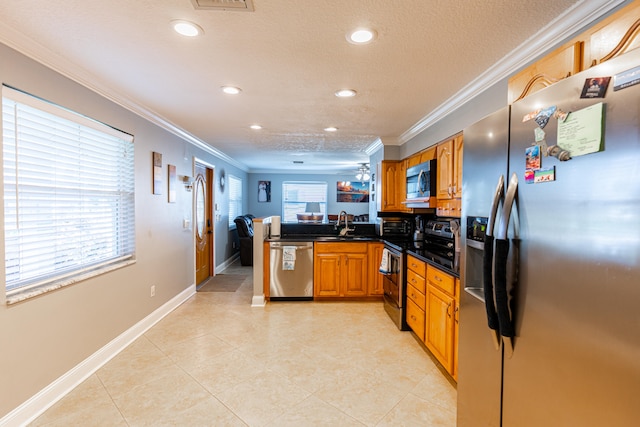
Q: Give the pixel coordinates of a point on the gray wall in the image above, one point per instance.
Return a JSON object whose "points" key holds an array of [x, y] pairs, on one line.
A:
{"points": [[261, 209], [45, 337]]}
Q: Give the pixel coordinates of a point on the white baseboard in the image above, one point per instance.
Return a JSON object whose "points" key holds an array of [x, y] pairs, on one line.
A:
{"points": [[227, 263], [48, 396], [258, 301]]}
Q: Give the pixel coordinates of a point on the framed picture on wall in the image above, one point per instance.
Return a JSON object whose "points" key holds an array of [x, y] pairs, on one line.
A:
{"points": [[157, 173], [264, 191], [173, 179], [353, 192]]}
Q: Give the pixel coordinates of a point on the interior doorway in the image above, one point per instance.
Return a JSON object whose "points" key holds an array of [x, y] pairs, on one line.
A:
{"points": [[204, 241]]}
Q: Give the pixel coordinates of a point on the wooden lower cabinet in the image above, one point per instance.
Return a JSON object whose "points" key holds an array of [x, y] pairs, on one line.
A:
{"points": [[340, 269], [432, 311], [375, 278], [439, 329]]}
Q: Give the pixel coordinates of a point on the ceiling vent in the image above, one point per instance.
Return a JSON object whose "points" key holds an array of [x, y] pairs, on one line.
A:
{"points": [[239, 5]]}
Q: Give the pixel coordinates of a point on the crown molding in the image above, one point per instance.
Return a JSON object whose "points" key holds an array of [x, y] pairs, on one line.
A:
{"points": [[561, 28], [35, 51]]}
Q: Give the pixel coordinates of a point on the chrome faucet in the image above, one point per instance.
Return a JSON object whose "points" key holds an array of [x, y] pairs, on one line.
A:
{"points": [[346, 229]]}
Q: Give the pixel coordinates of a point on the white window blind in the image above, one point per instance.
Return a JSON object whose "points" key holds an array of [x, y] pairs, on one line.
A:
{"points": [[68, 192], [296, 194], [235, 198]]}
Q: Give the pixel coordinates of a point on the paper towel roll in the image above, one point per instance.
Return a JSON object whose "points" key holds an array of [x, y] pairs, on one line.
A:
{"points": [[275, 226]]}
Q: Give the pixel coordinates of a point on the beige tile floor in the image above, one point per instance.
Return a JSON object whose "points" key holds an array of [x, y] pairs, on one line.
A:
{"points": [[216, 361]]}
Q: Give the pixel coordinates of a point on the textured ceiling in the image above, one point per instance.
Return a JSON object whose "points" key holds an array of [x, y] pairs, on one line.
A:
{"points": [[289, 57]]}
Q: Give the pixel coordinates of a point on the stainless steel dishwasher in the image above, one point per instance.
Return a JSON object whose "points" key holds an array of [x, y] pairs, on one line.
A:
{"points": [[291, 271]]}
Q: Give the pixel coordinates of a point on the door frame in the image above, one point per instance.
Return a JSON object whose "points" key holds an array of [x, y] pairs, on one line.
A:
{"points": [[209, 191]]}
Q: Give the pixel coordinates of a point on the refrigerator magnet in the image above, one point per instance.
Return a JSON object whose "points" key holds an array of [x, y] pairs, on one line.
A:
{"points": [[529, 176], [626, 78], [545, 175], [595, 87], [532, 157]]}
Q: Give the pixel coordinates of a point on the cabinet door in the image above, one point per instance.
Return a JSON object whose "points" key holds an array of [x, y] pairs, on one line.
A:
{"points": [[457, 167], [559, 64], [444, 179], [393, 186], [456, 331], [439, 328], [388, 196], [614, 36], [354, 277], [375, 277], [326, 277]]}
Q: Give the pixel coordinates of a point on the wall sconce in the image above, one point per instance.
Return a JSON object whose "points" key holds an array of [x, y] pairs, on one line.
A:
{"points": [[188, 182]]}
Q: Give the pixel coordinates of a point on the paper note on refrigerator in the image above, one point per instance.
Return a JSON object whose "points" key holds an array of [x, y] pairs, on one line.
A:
{"points": [[581, 133]]}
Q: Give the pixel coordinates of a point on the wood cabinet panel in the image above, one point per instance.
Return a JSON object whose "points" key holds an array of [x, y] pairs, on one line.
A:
{"points": [[342, 269], [355, 275], [416, 295], [392, 186], [458, 147], [444, 178], [442, 280], [415, 280], [558, 65], [415, 319], [420, 267], [375, 278], [326, 275], [439, 326], [614, 36]]}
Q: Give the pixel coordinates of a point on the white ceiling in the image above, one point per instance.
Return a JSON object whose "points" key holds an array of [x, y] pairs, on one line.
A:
{"points": [[289, 57]]}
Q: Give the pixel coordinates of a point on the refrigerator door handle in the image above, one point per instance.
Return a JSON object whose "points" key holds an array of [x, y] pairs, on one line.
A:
{"points": [[507, 329], [487, 266]]}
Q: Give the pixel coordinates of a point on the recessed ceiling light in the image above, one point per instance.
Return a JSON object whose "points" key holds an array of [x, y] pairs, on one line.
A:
{"points": [[361, 36], [187, 28], [255, 127], [231, 90], [345, 93], [331, 129]]}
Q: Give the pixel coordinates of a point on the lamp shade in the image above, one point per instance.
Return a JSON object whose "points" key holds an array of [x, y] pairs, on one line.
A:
{"points": [[312, 207]]}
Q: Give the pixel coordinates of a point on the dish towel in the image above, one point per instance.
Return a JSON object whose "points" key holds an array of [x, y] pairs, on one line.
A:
{"points": [[385, 263], [288, 257]]}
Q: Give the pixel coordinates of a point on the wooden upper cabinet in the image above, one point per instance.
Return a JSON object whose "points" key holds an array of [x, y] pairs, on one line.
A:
{"points": [[457, 166], [422, 157], [560, 64], [444, 178], [611, 37], [392, 185], [615, 35]]}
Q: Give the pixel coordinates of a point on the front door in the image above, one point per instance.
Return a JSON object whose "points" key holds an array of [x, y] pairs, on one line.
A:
{"points": [[204, 228]]}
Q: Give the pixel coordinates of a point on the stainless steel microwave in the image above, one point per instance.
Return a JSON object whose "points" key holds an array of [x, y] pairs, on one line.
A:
{"points": [[421, 180]]}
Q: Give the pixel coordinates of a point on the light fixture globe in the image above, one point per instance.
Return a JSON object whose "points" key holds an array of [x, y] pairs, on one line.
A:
{"points": [[363, 173]]}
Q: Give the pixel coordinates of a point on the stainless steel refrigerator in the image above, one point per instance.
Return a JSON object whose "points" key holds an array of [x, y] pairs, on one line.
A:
{"points": [[550, 312]]}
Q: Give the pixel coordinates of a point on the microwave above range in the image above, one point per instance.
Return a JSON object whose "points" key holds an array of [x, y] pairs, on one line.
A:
{"points": [[421, 181]]}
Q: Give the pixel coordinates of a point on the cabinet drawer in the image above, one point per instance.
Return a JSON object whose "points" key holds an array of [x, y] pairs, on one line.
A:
{"points": [[416, 265], [340, 248], [442, 280], [415, 318], [416, 296], [416, 280]]}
